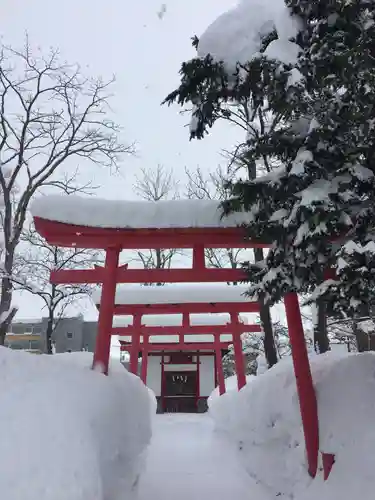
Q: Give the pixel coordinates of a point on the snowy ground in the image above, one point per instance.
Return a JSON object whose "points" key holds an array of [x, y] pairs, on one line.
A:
{"points": [[188, 460]]}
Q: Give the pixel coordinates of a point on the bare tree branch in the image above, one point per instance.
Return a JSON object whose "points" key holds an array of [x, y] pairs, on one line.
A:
{"points": [[51, 117]]}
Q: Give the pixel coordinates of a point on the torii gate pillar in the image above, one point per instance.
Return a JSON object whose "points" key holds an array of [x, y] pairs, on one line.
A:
{"points": [[136, 344], [107, 307], [144, 365], [305, 387], [238, 353], [219, 366]]}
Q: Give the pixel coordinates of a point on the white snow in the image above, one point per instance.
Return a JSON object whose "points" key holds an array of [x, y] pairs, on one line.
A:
{"points": [[188, 461], [67, 432], [263, 420], [295, 77], [194, 120], [118, 214], [318, 192], [298, 166], [230, 385], [262, 364], [273, 177], [361, 172], [236, 35], [177, 294], [279, 215], [176, 320], [351, 247], [369, 247], [367, 326], [283, 51], [341, 264]]}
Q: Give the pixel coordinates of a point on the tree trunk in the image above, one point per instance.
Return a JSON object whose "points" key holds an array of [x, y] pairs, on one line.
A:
{"points": [[321, 340], [6, 297], [49, 332], [159, 264], [270, 350]]}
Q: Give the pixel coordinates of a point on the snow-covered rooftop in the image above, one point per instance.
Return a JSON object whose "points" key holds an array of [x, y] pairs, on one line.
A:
{"points": [[177, 294], [176, 320], [119, 214]]}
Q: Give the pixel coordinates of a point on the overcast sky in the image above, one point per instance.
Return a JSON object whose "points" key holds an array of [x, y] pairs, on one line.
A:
{"points": [[144, 52]]}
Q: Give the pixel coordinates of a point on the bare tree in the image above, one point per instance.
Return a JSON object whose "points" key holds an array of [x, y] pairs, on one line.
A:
{"points": [[156, 185], [34, 264], [50, 115]]}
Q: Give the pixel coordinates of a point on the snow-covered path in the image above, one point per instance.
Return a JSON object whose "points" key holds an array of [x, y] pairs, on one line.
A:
{"points": [[188, 461]]}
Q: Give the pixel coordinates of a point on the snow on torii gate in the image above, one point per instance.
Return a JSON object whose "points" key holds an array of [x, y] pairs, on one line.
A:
{"points": [[185, 301], [196, 224]]}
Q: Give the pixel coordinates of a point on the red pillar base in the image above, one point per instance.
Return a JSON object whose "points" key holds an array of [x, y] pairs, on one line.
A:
{"points": [[219, 370], [134, 354], [144, 366], [305, 387], [238, 355], [328, 461], [136, 344]]}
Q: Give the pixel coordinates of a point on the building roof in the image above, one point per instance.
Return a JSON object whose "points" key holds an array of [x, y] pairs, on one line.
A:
{"points": [[26, 321]]}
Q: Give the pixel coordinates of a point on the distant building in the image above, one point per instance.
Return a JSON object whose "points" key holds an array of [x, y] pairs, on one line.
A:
{"points": [[70, 335]]}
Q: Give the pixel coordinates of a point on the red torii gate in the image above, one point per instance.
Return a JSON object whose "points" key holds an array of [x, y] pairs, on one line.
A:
{"points": [[58, 232], [140, 301]]}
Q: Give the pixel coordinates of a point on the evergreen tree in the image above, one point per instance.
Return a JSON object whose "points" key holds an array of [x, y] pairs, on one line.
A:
{"points": [[323, 193]]}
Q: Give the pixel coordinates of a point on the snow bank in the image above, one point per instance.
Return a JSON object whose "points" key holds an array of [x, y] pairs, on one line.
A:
{"points": [[264, 420], [236, 36], [119, 214], [177, 294], [68, 433], [230, 386]]}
